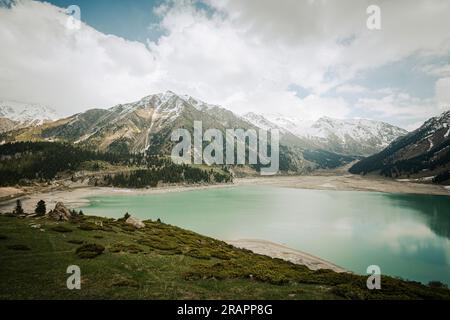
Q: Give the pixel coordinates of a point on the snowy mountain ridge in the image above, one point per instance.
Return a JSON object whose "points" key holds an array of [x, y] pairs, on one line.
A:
{"points": [[138, 122], [347, 136], [25, 113]]}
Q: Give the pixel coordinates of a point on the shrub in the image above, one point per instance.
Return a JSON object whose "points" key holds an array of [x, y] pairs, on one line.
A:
{"points": [[195, 253], [40, 208], [348, 291], [170, 252], [220, 254], [74, 241], [89, 250], [128, 227], [89, 226], [437, 284], [125, 282], [166, 245], [61, 229], [122, 247], [18, 247]]}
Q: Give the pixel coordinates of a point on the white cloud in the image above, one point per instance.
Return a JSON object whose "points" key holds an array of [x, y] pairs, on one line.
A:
{"points": [[398, 107], [348, 88], [244, 55], [437, 70], [318, 28], [443, 93], [42, 61]]}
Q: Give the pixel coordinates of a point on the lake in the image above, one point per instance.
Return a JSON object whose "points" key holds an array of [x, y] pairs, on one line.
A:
{"points": [[405, 235]]}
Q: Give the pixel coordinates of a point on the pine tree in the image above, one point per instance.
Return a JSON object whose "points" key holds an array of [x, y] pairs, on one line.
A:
{"points": [[40, 208], [18, 210]]}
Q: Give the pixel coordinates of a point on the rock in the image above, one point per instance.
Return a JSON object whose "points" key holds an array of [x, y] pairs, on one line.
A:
{"points": [[60, 213], [99, 223], [135, 222]]}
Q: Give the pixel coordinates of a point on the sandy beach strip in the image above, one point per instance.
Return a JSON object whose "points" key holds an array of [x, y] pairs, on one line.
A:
{"points": [[279, 251], [347, 182]]}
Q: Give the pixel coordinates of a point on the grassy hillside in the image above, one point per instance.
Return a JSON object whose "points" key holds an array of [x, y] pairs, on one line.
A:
{"points": [[161, 261]]}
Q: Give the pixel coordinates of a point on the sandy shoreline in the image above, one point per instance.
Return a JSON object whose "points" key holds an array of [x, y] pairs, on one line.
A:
{"points": [[348, 182], [279, 251]]}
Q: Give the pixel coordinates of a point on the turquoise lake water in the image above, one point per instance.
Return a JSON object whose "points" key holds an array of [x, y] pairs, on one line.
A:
{"points": [[406, 235]]}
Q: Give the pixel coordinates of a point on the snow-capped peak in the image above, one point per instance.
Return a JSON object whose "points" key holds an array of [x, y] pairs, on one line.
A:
{"points": [[279, 121], [356, 136], [437, 123], [355, 129], [260, 121], [164, 102], [27, 114]]}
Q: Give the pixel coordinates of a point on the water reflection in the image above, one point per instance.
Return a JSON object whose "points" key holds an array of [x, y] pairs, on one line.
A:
{"points": [[435, 210]]}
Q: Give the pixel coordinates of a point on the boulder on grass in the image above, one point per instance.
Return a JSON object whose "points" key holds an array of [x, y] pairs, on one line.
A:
{"points": [[138, 224], [60, 213]]}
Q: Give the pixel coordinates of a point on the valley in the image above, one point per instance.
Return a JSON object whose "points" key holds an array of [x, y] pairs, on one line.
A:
{"points": [[335, 178], [205, 150]]}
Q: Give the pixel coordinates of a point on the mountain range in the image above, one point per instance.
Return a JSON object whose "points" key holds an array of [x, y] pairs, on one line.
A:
{"points": [[357, 137], [14, 115], [146, 126], [423, 154]]}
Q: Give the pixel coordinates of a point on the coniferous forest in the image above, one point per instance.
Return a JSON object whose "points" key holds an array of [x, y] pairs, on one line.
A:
{"points": [[169, 174], [25, 162]]}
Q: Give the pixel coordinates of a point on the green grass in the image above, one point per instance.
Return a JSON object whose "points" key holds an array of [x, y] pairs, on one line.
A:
{"points": [[164, 262]]}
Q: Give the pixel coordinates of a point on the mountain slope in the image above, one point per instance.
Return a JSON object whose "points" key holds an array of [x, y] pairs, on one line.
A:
{"points": [[15, 115], [7, 125], [311, 151], [358, 137], [424, 152], [146, 126]]}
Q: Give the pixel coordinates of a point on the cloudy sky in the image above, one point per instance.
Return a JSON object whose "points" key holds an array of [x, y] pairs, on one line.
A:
{"points": [[302, 58]]}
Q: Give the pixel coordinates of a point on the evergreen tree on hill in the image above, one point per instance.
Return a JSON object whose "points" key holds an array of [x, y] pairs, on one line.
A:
{"points": [[40, 208]]}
